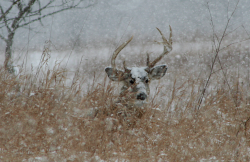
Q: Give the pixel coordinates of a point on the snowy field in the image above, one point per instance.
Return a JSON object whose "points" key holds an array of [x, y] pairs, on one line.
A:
{"points": [[59, 108]]}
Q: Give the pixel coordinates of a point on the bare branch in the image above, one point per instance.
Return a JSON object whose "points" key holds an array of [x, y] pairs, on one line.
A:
{"points": [[52, 13], [8, 10], [247, 39], [26, 12], [15, 23], [2, 37], [245, 30], [5, 20], [38, 12], [212, 24], [218, 49]]}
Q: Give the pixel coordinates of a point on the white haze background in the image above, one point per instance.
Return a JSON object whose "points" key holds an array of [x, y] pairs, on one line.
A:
{"points": [[110, 20]]}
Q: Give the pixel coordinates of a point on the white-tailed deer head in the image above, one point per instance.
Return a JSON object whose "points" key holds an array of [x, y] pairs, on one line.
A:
{"points": [[136, 79]]}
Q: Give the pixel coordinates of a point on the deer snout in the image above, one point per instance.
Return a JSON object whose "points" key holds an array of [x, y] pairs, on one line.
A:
{"points": [[141, 96]]}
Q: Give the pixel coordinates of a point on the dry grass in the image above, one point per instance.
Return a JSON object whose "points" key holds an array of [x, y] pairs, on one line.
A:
{"points": [[43, 118]]}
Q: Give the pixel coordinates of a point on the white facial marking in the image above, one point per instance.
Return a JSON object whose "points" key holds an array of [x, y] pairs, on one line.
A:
{"points": [[142, 88], [138, 72]]}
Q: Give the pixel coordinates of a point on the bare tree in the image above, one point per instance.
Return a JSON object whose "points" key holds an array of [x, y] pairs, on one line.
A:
{"points": [[20, 13]]}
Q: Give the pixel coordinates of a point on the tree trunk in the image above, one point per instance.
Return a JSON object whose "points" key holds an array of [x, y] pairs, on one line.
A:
{"points": [[8, 64]]}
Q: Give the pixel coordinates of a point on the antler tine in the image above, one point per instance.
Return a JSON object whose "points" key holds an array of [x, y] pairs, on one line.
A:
{"points": [[167, 48], [147, 59], [125, 66], [117, 51], [170, 35]]}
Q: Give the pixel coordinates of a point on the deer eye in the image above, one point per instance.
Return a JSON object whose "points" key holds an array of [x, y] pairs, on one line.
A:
{"points": [[132, 81], [146, 80]]}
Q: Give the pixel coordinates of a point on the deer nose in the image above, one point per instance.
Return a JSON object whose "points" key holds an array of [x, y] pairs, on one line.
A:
{"points": [[141, 96]]}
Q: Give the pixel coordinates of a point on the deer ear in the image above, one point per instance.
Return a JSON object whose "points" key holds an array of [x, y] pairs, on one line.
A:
{"points": [[112, 75], [158, 72]]}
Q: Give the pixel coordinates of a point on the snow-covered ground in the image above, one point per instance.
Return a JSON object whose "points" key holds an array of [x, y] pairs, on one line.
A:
{"points": [[101, 55]]}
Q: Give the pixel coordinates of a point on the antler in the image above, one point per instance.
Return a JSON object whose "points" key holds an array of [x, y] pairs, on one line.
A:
{"points": [[167, 48], [117, 51]]}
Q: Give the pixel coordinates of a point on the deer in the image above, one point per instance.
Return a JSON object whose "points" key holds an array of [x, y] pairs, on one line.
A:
{"points": [[135, 89]]}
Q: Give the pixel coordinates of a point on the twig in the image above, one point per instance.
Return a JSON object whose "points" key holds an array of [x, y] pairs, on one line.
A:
{"points": [[217, 50]]}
